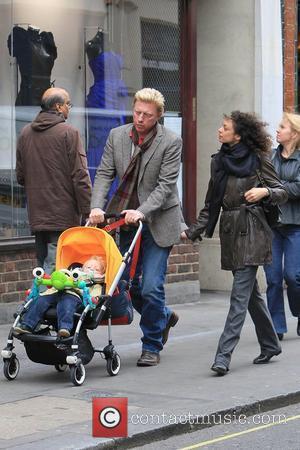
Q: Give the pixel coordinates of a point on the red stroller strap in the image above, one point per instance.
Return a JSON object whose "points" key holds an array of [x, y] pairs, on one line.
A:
{"points": [[135, 257], [114, 225]]}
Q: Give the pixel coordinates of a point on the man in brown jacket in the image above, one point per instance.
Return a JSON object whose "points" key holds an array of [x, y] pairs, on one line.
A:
{"points": [[51, 165]]}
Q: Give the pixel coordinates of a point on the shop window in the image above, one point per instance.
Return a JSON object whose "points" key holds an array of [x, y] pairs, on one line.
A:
{"points": [[100, 53]]}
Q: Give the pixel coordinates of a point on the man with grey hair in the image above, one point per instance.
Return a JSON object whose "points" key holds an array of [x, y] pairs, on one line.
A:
{"points": [[145, 156], [51, 165]]}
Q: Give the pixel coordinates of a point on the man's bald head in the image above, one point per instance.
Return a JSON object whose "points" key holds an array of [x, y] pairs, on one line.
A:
{"points": [[53, 96], [56, 99]]}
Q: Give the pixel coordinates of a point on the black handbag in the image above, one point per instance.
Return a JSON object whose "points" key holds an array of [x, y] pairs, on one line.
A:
{"points": [[272, 212]]}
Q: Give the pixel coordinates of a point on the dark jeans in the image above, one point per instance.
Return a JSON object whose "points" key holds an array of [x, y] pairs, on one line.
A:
{"points": [[45, 245], [245, 295], [147, 291], [66, 305], [121, 304], [285, 266]]}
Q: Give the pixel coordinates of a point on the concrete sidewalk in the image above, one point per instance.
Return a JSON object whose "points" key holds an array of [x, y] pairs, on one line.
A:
{"points": [[42, 409]]}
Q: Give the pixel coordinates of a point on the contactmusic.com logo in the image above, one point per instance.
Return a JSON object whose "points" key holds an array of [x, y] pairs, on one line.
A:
{"points": [[110, 417]]}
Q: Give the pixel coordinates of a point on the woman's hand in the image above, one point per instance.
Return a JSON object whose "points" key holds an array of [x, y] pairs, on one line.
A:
{"points": [[183, 235], [256, 194]]}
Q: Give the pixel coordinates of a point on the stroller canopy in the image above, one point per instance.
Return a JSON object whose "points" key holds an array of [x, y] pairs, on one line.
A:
{"points": [[78, 244]]}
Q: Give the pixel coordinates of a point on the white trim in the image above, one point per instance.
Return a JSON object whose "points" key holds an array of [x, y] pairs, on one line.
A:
{"points": [[268, 62]]}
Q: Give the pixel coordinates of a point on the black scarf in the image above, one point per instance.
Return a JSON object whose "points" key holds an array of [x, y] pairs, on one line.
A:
{"points": [[238, 161]]}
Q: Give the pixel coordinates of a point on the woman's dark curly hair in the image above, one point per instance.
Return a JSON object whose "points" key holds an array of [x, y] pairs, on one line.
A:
{"points": [[252, 131]]}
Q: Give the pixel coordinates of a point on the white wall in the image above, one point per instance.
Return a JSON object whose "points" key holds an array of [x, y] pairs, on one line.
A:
{"points": [[268, 62]]}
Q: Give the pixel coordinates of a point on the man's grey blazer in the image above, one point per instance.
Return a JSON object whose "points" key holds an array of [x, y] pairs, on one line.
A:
{"points": [[157, 188]]}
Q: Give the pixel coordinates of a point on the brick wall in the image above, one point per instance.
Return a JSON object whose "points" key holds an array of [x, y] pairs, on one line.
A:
{"points": [[289, 54], [16, 269], [15, 274], [183, 263]]}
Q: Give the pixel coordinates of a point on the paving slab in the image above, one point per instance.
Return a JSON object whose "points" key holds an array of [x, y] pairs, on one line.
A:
{"points": [[42, 409]]}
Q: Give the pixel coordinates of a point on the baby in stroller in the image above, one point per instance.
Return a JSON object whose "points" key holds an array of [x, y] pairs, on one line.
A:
{"points": [[69, 301]]}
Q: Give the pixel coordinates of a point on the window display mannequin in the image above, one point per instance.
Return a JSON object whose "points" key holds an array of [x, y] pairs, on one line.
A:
{"points": [[35, 52], [107, 93]]}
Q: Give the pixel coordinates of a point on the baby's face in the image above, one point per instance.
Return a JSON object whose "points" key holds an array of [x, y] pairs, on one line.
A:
{"points": [[93, 266]]}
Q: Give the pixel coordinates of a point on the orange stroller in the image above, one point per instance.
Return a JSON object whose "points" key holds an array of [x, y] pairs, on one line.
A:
{"points": [[45, 346]]}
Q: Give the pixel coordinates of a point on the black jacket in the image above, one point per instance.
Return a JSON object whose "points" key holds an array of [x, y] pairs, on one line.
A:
{"points": [[246, 239]]}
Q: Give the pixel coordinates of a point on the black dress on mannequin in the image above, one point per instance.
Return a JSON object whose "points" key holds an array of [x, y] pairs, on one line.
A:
{"points": [[107, 93], [35, 53], [95, 45]]}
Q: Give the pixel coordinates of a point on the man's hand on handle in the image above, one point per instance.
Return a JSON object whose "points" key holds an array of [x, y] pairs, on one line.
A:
{"points": [[96, 216], [132, 216]]}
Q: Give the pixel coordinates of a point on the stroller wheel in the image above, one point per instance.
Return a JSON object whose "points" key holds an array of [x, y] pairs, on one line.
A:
{"points": [[60, 367], [113, 365], [77, 374], [11, 367]]}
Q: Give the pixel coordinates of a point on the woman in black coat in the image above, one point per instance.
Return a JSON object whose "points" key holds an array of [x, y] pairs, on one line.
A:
{"points": [[246, 238]]}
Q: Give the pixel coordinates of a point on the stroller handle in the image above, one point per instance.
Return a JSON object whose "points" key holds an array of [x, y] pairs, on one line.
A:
{"points": [[109, 216], [113, 215]]}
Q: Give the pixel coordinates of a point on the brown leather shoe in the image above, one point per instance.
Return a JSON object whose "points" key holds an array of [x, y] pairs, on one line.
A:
{"points": [[148, 359], [63, 332], [171, 323]]}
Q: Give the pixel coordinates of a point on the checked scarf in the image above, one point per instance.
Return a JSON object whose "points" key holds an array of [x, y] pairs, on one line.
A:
{"points": [[125, 196]]}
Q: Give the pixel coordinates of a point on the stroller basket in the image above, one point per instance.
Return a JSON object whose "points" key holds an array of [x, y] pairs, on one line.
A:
{"points": [[49, 351]]}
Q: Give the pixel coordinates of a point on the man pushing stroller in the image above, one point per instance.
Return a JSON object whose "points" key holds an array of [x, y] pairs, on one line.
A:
{"points": [[146, 157]]}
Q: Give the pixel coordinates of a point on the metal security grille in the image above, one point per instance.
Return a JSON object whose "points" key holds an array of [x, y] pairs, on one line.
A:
{"points": [[161, 57]]}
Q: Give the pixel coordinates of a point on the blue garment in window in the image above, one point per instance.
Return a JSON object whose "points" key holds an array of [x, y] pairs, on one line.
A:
{"points": [[108, 96]]}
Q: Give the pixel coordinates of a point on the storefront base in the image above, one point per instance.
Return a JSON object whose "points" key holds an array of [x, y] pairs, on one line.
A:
{"points": [[210, 274]]}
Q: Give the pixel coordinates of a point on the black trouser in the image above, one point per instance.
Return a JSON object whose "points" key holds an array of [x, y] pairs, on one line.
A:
{"points": [[45, 245]]}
